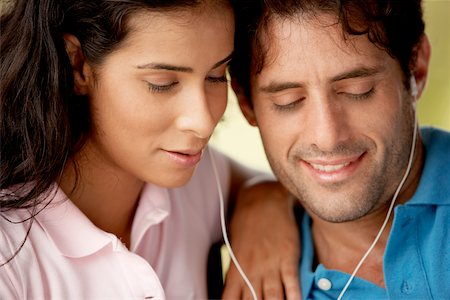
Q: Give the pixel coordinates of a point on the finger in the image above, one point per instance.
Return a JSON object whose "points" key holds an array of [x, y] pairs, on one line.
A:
{"points": [[291, 282], [233, 285], [272, 285], [232, 292], [246, 292]]}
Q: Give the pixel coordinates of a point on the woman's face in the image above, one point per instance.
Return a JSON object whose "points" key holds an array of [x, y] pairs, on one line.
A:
{"points": [[156, 100]]}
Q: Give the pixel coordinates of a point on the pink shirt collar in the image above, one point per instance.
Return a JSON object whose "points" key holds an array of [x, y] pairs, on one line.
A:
{"points": [[74, 235], [154, 206]]}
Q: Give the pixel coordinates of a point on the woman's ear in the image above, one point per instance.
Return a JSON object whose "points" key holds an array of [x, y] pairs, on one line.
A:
{"points": [[82, 72], [244, 103]]}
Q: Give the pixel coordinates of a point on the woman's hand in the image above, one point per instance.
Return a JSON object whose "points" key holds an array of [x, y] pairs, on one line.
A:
{"points": [[265, 240]]}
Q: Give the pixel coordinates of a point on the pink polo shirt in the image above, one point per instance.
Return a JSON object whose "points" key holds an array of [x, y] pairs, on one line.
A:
{"points": [[67, 257]]}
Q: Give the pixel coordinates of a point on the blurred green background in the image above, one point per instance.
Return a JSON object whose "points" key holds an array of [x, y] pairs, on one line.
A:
{"points": [[236, 138], [434, 106]]}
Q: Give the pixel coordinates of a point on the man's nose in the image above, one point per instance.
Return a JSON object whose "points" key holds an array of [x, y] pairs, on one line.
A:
{"points": [[329, 123]]}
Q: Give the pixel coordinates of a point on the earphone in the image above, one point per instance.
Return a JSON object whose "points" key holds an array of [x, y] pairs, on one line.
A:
{"points": [[413, 86], [394, 198], [224, 229]]}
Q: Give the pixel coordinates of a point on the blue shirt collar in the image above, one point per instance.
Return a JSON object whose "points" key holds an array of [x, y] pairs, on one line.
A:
{"points": [[434, 184], [433, 189]]}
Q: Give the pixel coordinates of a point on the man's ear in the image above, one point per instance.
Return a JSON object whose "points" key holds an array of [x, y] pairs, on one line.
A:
{"points": [[420, 69], [82, 72], [244, 103]]}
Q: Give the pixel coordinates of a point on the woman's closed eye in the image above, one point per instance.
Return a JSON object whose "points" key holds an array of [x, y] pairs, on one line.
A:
{"points": [[218, 79], [159, 88]]}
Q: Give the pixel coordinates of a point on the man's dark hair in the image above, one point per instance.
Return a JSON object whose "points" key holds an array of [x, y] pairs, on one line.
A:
{"points": [[395, 26]]}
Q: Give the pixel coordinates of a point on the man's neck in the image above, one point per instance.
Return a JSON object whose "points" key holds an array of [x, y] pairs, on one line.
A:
{"points": [[341, 246]]}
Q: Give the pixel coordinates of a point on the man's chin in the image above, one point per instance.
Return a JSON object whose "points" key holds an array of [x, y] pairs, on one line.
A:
{"points": [[337, 212]]}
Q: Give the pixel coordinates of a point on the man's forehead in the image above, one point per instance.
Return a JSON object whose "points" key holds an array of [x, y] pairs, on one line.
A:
{"points": [[281, 32], [303, 51], [299, 39]]}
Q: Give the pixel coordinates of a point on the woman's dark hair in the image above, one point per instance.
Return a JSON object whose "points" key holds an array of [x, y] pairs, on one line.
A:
{"points": [[393, 25], [43, 123]]}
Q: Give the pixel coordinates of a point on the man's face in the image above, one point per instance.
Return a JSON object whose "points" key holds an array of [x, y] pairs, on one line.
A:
{"points": [[335, 117]]}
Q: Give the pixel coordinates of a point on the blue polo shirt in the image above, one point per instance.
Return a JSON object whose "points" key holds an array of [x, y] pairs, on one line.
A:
{"points": [[417, 256]]}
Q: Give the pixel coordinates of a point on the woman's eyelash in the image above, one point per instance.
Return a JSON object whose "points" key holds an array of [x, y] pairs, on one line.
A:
{"points": [[161, 88], [157, 88], [217, 79]]}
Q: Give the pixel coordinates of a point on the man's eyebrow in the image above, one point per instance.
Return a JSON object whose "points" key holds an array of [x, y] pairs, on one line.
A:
{"points": [[357, 73], [169, 67], [275, 87]]}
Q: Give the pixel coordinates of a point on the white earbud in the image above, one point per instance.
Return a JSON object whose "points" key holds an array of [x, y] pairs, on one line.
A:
{"points": [[413, 86]]}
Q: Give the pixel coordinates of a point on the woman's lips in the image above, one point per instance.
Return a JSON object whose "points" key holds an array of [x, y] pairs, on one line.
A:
{"points": [[185, 158]]}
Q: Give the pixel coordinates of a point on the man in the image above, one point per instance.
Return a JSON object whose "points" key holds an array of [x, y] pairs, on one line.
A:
{"points": [[332, 86]]}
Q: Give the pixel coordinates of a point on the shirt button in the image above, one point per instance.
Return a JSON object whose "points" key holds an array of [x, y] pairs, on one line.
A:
{"points": [[324, 284]]}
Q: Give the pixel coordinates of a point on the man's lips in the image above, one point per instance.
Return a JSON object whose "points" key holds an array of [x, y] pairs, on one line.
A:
{"points": [[329, 168], [333, 169]]}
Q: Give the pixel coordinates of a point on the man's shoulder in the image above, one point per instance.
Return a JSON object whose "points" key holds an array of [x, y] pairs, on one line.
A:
{"points": [[435, 138], [433, 188]]}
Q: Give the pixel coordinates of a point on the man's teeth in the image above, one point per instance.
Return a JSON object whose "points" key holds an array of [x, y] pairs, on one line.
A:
{"points": [[329, 168]]}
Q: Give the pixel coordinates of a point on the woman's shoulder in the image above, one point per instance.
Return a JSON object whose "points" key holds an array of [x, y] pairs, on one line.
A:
{"points": [[213, 163], [14, 221], [14, 227], [15, 270], [19, 227], [213, 169]]}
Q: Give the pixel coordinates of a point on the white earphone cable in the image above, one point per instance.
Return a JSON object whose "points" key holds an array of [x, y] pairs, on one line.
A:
{"points": [[394, 198], [224, 230]]}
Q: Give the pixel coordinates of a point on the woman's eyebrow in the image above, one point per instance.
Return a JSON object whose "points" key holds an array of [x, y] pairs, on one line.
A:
{"points": [[169, 67], [164, 66], [225, 60]]}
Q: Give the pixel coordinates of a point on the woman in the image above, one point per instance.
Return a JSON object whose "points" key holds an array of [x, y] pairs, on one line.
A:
{"points": [[111, 104]]}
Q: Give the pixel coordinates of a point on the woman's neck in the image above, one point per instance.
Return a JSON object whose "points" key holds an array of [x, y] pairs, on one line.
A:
{"points": [[106, 195]]}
